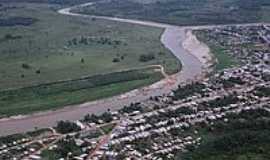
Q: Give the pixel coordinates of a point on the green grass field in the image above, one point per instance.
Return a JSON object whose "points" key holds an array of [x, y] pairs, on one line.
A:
{"points": [[224, 60], [44, 47], [55, 95], [58, 48], [108, 128]]}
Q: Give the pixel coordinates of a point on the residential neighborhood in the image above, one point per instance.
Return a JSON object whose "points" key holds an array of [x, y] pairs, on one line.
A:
{"points": [[163, 127]]}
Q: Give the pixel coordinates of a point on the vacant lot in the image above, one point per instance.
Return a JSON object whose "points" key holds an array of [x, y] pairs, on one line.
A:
{"points": [[186, 12], [53, 48]]}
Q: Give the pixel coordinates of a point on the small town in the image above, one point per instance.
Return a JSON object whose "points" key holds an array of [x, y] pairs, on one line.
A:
{"points": [[165, 127]]}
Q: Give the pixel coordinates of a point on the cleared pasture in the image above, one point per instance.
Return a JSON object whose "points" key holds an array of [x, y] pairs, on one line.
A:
{"points": [[57, 48]]}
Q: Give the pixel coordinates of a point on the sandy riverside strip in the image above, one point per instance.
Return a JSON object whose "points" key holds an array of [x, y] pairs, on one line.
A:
{"points": [[199, 49], [172, 38]]}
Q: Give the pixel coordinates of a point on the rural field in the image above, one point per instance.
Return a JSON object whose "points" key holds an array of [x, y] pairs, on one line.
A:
{"points": [[185, 12], [43, 52]]}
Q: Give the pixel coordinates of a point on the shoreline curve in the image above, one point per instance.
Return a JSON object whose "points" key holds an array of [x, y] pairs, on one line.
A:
{"points": [[172, 38]]}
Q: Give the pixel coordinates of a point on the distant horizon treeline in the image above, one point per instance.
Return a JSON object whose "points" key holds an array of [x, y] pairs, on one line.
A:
{"points": [[62, 2]]}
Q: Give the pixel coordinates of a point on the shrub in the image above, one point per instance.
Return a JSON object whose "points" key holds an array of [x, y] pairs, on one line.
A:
{"points": [[26, 66], [146, 57], [115, 60], [82, 60], [91, 118]]}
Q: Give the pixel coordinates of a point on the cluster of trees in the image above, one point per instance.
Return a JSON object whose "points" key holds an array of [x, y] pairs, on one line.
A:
{"points": [[67, 127], [27, 66], [266, 77], [131, 108], [82, 60], [246, 120], [68, 146], [118, 58], [142, 145], [187, 90], [184, 110], [220, 102], [176, 113], [10, 138], [91, 118], [242, 141], [105, 117], [15, 21], [250, 114], [11, 37], [115, 60], [263, 91], [64, 148], [89, 40], [146, 57], [247, 133], [231, 82], [163, 116]]}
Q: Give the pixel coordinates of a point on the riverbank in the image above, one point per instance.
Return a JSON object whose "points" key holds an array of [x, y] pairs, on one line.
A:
{"points": [[198, 49], [172, 38]]}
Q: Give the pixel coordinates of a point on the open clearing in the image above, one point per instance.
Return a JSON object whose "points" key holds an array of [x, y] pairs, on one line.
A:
{"points": [[59, 49]]}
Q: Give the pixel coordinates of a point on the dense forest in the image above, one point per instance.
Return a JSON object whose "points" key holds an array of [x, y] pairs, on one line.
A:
{"points": [[186, 12], [246, 136]]}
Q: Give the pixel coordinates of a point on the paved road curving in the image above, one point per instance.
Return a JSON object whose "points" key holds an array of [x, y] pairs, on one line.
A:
{"points": [[172, 38]]}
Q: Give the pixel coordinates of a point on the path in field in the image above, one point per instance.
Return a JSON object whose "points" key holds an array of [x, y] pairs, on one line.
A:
{"points": [[192, 69]]}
